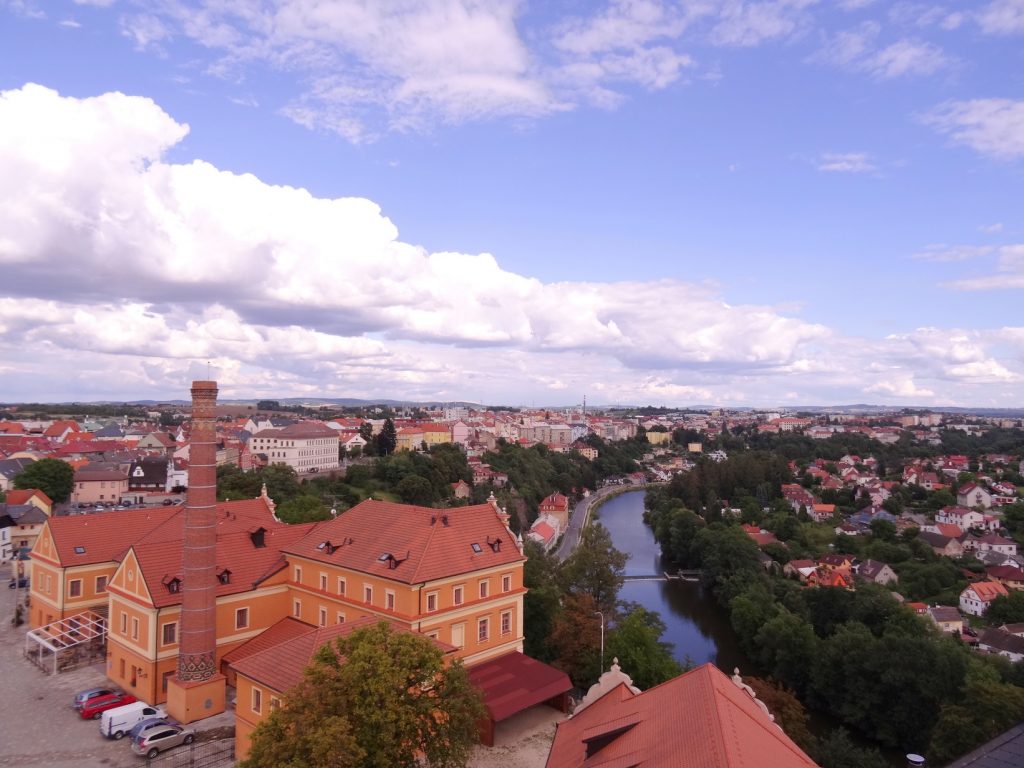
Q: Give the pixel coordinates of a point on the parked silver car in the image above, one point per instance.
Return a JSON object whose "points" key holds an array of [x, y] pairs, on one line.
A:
{"points": [[155, 739]]}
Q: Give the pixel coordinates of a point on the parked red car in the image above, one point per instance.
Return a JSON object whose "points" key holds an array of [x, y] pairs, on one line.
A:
{"points": [[94, 709]]}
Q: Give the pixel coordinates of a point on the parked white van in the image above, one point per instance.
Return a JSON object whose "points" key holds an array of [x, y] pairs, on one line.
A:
{"points": [[117, 722]]}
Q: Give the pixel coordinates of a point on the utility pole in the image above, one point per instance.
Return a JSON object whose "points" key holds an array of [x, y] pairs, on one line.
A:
{"points": [[601, 614]]}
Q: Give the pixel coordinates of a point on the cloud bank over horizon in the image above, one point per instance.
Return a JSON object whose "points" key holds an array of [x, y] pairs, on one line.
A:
{"points": [[125, 273]]}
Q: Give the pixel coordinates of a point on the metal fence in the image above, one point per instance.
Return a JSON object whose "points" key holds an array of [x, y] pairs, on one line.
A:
{"points": [[205, 754]]}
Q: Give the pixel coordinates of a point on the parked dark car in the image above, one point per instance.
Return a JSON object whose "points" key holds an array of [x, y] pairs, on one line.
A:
{"points": [[152, 741], [22, 582], [91, 693], [94, 709]]}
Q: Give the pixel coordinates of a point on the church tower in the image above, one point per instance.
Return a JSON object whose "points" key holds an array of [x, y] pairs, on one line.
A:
{"points": [[197, 690]]}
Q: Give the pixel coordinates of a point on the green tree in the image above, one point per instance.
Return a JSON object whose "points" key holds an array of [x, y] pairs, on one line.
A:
{"points": [[388, 698], [387, 440], [541, 602], [414, 489], [53, 477], [1006, 609], [636, 642], [576, 639], [303, 509], [595, 568], [837, 750], [789, 713]]}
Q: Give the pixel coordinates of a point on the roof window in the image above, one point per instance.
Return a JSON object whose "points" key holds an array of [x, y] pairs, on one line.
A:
{"points": [[79, 550], [477, 549]]}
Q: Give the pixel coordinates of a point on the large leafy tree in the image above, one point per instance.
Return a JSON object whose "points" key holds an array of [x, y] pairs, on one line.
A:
{"points": [[596, 568], [636, 642], [378, 698], [53, 477]]}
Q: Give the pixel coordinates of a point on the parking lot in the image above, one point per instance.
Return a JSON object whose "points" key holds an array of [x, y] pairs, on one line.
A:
{"points": [[37, 723]]}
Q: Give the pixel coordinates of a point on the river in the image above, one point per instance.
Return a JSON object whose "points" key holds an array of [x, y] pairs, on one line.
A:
{"points": [[695, 624], [697, 627]]}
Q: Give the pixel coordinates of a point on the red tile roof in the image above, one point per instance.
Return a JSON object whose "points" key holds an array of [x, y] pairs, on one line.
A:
{"points": [[425, 543], [283, 631], [513, 682], [280, 661], [22, 497], [700, 718]]}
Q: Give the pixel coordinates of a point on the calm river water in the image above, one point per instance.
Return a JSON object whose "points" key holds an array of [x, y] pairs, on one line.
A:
{"points": [[697, 627]]}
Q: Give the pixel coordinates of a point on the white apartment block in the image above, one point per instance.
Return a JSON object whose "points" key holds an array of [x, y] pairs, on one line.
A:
{"points": [[305, 447]]}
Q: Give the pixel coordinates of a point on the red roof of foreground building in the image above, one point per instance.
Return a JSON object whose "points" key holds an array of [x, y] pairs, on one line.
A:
{"points": [[701, 718], [280, 661], [411, 544], [513, 682]]}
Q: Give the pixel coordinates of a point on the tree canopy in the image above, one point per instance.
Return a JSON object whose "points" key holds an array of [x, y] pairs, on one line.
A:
{"points": [[53, 477], [379, 698]]}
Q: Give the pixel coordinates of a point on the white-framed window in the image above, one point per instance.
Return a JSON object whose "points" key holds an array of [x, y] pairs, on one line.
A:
{"points": [[135, 628], [389, 599], [431, 602], [368, 594], [459, 635], [275, 703], [298, 575], [169, 633], [297, 609], [75, 588], [241, 618], [341, 618], [323, 616], [482, 630], [257, 700], [341, 586], [323, 582], [484, 588], [506, 622], [506, 582], [457, 595], [101, 584], [124, 624]]}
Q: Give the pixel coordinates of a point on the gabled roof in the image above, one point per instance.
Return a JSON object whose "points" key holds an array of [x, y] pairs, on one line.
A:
{"points": [[280, 665], [411, 544], [988, 590], [15, 496], [249, 565], [701, 718]]}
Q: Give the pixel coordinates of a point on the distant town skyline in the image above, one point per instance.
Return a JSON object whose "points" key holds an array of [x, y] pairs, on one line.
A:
{"points": [[665, 203]]}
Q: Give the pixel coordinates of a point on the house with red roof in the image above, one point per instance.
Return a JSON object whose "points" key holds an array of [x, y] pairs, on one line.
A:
{"points": [[977, 597], [701, 718], [973, 495], [557, 506]]}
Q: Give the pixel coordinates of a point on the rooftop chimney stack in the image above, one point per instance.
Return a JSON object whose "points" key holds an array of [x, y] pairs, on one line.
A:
{"points": [[197, 691]]}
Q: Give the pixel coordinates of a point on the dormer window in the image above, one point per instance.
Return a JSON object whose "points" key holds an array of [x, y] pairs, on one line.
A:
{"points": [[257, 537], [173, 584], [224, 577]]}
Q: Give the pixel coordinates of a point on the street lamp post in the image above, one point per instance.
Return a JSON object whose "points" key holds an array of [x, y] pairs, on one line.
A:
{"points": [[601, 614]]}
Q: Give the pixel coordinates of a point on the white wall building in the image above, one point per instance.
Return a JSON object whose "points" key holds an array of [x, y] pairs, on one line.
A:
{"points": [[305, 447]]}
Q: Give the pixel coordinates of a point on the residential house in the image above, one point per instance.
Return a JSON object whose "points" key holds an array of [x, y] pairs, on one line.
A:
{"points": [[876, 572], [977, 597], [99, 482], [557, 506], [158, 441], [461, 490], [836, 562], [760, 536], [947, 619], [993, 640], [821, 513], [993, 542], [32, 496], [712, 720], [545, 531], [942, 545], [10, 469], [800, 569], [147, 475], [6, 550], [1010, 576], [973, 495], [823, 577], [27, 521]]}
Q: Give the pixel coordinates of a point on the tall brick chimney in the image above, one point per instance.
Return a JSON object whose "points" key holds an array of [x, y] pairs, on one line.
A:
{"points": [[197, 690]]}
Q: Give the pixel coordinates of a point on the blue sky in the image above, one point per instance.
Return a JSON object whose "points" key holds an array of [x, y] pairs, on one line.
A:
{"points": [[750, 203]]}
